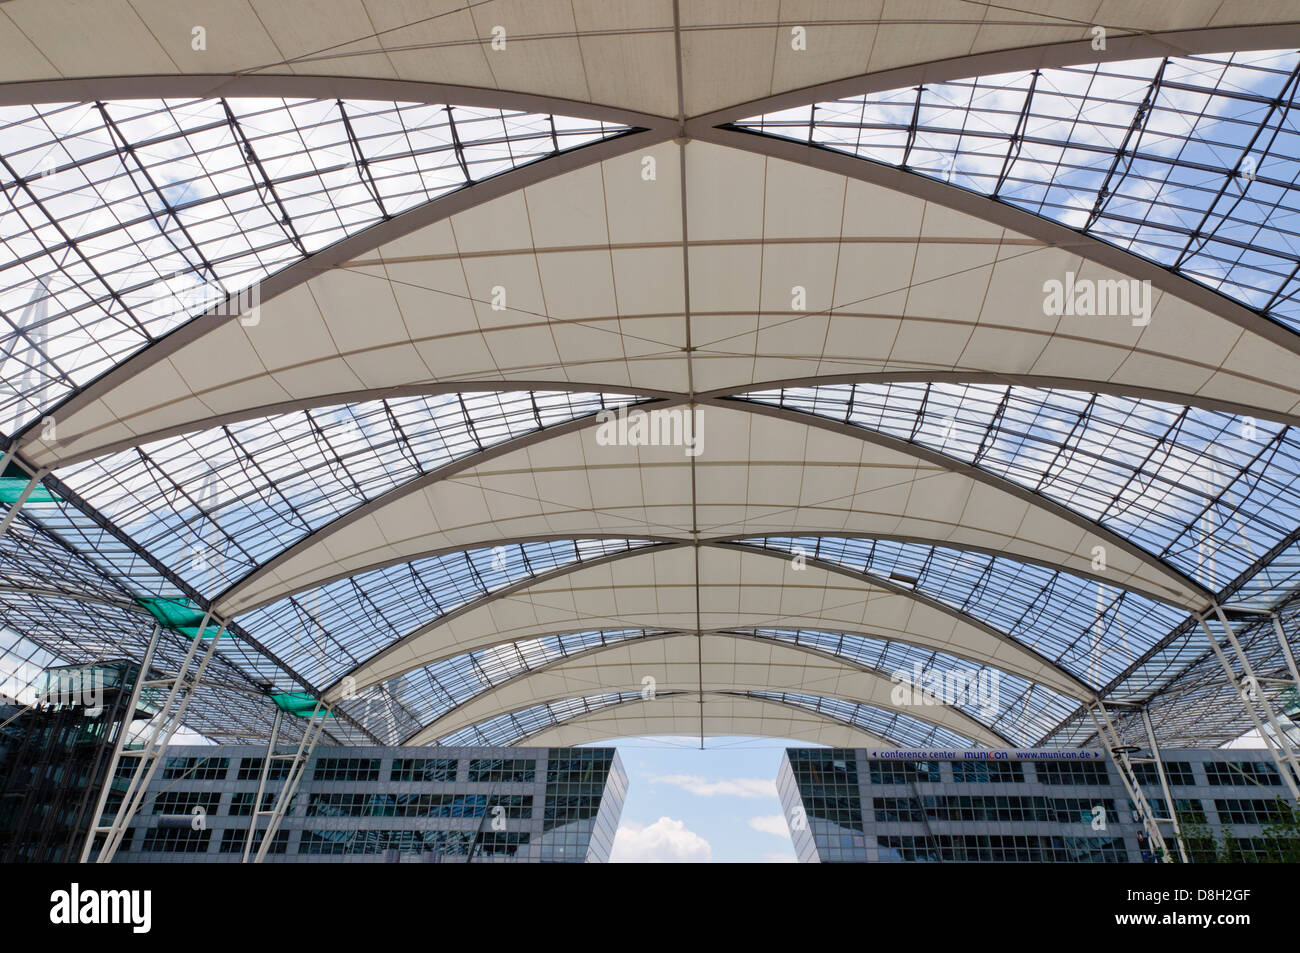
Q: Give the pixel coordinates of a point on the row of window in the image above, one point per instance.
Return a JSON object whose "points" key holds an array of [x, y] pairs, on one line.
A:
{"points": [[1003, 848], [437, 842], [822, 769], [1015, 808], [994, 808], [588, 766], [517, 806]]}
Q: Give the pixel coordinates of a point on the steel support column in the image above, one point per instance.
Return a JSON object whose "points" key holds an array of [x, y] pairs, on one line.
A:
{"points": [[17, 504], [141, 675], [1252, 693], [162, 727], [297, 768], [1120, 755]]}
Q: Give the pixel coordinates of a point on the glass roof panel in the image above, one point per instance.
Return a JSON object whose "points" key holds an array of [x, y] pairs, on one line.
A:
{"points": [[1091, 630], [216, 504], [1209, 493], [125, 218], [903, 730], [327, 631], [1190, 162], [514, 727]]}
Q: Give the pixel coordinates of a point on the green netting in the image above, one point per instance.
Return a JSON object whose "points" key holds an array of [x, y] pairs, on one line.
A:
{"points": [[14, 480], [1291, 704], [299, 704], [180, 615]]}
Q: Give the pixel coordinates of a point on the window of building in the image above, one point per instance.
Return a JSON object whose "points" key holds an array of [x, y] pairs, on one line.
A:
{"points": [[1242, 773], [423, 769], [250, 769], [196, 769], [502, 770], [233, 839], [903, 772], [173, 840], [1072, 772], [982, 772], [184, 802], [1249, 810], [346, 769], [1178, 772], [241, 803]]}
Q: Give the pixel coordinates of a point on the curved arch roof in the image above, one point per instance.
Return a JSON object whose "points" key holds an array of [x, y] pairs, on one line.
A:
{"points": [[754, 475], [575, 721], [349, 398], [685, 662]]}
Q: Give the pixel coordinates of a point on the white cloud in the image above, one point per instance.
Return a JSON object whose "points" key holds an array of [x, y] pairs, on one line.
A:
{"points": [[771, 824], [780, 859], [734, 787], [666, 841]]}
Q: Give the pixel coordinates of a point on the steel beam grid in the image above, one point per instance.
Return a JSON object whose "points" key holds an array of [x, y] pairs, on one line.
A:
{"points": [[1118, 472], [1044, 610], [113, 303], [894, 726], [956, 126], [318, 464]]}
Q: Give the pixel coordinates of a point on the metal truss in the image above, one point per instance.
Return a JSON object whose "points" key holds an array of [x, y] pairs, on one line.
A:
{"points": [[180, 689], [296, 766], [1124, 758], [1259, 693]]}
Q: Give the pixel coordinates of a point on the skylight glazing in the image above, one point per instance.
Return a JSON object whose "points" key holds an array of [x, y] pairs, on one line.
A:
{"points": [[1189, 162], [1091, 630], [327, 631], [903, 730], [437, 689], [217, 504], [514, 727], [123, 219], [1016, 708], [1207, 492]]}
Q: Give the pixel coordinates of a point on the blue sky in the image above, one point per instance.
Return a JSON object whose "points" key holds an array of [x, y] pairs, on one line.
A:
{"points": [[718, 805]]}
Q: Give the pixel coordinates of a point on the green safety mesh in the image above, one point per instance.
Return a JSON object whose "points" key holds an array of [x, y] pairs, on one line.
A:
{"points": [[180, 615], [14, 480], [1291, 704], [300, 704]]}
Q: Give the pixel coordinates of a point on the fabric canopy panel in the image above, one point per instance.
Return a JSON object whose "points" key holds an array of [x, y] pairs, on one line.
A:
{"points": [[684, 588], [580, 281], [711, 663], [622, 55], [715, 715], [755, 474]]}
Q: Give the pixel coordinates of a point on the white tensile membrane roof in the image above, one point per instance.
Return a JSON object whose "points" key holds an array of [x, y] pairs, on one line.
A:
{"points": [[394, 474]]}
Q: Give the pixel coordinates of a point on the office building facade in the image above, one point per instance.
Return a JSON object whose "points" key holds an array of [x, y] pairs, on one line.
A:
{"points": [[1066, 806], [394, 804]]}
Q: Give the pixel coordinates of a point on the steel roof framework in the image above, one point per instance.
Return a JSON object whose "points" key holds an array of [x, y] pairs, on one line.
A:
{"points": [[1245, 491]]}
